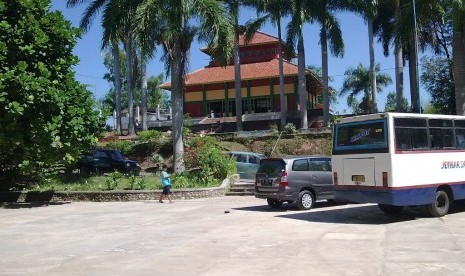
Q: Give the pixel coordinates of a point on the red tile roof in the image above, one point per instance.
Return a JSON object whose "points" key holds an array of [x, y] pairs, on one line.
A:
{"points": [[250, 71], [258, 38]]}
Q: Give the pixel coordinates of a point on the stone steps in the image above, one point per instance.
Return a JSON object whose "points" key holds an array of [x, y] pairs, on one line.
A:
{"points": [[241, 188]]}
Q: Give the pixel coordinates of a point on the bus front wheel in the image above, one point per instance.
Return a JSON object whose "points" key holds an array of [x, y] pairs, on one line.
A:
{"points": [[390, 209], [440, 205]]}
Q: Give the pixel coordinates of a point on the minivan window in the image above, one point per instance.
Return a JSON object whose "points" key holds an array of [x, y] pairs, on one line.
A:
{"points": [[320, 165], [271, 166], [300, 165]]}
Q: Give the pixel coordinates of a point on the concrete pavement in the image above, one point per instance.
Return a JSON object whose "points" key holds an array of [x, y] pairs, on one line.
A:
{"points": [[197, 237]]}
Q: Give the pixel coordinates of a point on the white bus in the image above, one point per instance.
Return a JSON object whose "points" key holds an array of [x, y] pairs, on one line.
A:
{"points": [[400, 159]]}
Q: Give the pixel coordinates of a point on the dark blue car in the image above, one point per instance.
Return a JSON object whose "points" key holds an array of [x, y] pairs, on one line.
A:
{"points": [[106, 160]]}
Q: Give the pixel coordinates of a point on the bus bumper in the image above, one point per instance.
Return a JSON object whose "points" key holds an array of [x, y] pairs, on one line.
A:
{"points": [[404, 197]]}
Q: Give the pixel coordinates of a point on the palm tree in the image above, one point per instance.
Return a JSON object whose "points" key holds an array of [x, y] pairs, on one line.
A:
{"points": [[146, 39], [368, 10], [120, 23], [233, 10], [274, 11], [358, 80], [459, 54], [91, 11], [174, 19], [388, 13], [405, 33], [299, 15], [330, 32]]}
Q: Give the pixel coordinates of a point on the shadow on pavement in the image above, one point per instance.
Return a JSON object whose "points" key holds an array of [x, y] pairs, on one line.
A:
{"points": [[371, 214], [28, 205], [286, 207], [352, 214]]}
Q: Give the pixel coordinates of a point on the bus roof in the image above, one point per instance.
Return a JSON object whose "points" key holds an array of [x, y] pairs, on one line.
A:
{"points": [[367, 117]]}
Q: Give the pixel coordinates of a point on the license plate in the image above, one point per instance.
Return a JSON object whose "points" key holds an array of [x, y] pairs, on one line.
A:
{"points": [[266, 182], [358, 178]]}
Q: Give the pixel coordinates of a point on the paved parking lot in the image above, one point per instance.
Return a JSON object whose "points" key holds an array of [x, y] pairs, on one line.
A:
{"points": [[197, 237]]}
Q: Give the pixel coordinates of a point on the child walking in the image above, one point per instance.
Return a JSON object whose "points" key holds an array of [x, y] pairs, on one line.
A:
{"points": [[166, 182]]}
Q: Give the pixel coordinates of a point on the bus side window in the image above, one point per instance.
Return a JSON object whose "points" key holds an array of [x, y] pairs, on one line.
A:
{"points": [[460, 137], [403, 139]]}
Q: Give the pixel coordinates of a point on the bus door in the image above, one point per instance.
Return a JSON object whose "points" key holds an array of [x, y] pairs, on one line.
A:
{"points": [[359, 171]]}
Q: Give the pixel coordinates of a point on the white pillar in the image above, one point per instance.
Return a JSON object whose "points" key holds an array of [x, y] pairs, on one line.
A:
{"points": [[138, 113], [158, 112]]}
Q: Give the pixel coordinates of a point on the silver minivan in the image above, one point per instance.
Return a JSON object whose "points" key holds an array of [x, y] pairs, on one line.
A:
{"points": [[297, 179]]}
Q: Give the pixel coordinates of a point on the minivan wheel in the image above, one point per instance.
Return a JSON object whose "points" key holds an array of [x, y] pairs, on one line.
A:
{"points": [[274, 203], [440, 205], [306, 200]]}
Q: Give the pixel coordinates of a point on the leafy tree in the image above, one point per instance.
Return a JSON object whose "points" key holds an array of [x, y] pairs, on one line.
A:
{"points": [[46, 116], [391, 103], [436, 79]]}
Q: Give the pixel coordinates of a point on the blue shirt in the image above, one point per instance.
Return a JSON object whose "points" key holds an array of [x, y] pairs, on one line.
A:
{"points": [[165, 179]]}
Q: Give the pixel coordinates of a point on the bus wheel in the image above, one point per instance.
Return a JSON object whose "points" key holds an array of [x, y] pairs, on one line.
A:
{"points": [[440, 205], [390, 209], [274, 203]]}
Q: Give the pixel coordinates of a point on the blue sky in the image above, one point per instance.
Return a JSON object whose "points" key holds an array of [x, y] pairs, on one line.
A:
{"points": [[90, 69]]}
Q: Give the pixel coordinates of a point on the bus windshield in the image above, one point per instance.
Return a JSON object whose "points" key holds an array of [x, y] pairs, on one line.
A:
{"points": [[361, 137]]}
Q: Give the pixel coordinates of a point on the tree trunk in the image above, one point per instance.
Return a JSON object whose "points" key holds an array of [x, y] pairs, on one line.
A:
{"points": [[143, 70], [177, 83], [303, 94], [458, 50], [413, 73], [237, 78], [282, 95], [130, 81], [324, 63], [374, 90], [399, 78], [117, 73], [399, 71]]}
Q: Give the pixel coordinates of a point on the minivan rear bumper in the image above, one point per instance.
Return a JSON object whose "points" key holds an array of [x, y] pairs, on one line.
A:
{"points": [[277, 195]]}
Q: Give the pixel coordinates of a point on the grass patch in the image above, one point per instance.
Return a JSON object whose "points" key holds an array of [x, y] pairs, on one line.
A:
{"points": [[113, 181]]}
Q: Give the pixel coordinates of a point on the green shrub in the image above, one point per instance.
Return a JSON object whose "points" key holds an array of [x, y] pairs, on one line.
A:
{"points": [[148, 135], [137, 183], [112, 180], [180, 181], [290, 128], [156, 158], [274, 128], [124, 146], [206, 159]]}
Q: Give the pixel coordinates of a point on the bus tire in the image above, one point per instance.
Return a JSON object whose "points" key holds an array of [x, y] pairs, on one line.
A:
{"points": [[390, 209], [306, 200], [440, 205], [274, 203]]}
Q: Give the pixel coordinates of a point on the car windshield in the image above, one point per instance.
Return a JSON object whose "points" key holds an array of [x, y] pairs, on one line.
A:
{"points": [[271, 166], [116, 155]]}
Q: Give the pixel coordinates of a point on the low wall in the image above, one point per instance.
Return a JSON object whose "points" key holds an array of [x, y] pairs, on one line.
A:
{"points": [[59, 196]]}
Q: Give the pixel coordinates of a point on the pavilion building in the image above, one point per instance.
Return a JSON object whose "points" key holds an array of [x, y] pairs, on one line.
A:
{"points": [[212, 88]]}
